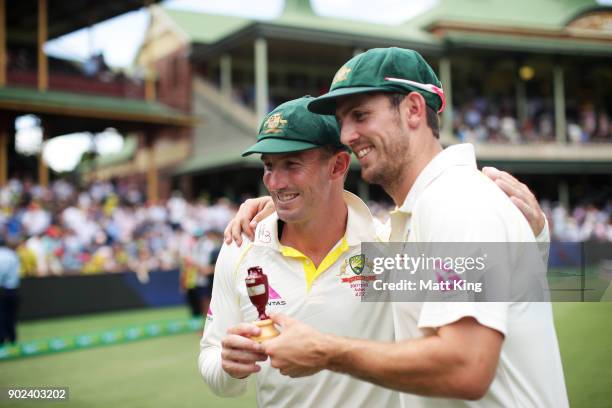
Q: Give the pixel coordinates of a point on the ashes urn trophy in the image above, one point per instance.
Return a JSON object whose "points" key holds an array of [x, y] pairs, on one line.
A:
{"points": [[257, 289]]}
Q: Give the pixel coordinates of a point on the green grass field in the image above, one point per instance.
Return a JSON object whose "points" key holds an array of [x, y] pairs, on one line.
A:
{"points": [[162, 372]]}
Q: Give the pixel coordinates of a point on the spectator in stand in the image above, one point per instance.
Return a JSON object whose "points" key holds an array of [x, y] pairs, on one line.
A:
{"points": [[35, 219], [177, 208]]}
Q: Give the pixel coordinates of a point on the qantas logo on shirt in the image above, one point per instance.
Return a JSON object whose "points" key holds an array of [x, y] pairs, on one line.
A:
{"points": [[274, 299]]}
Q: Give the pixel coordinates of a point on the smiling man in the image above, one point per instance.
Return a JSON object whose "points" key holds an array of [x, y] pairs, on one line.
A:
{"points": [[461, 354], [305, 249]]}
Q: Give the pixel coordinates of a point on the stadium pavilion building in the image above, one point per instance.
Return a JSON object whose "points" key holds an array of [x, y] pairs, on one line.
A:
{"points": [[532, 90], [66, 96]]}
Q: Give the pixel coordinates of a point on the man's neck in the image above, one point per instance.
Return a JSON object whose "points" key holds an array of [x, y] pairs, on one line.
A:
{"points": [[316, 237], [411, 172]]}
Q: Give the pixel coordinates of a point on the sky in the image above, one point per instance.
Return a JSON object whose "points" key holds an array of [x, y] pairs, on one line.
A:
{"points": [[119, 39]]}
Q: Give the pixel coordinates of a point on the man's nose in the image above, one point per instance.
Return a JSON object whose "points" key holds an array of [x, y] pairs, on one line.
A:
{"points": [[275, 180], [348, 134]]}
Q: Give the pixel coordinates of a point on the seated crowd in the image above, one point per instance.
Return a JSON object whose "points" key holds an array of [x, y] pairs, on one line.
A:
{"points": [[482, 120], [109, 227], [104, 228]]}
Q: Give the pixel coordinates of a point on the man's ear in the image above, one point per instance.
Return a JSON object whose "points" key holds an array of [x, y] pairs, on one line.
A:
{"points": [[341, 162], [414, 110]]}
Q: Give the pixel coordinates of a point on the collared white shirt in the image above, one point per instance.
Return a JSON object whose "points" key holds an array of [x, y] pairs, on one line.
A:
{"points": [[327, 298], [451, 201]]}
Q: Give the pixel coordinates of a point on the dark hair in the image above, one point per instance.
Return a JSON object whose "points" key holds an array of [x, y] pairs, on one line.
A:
{"points": [[432, 117], [329, 150]]}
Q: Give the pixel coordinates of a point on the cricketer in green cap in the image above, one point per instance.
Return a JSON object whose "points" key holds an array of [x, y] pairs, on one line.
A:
{"points": [[291, 127], [390, 70]]}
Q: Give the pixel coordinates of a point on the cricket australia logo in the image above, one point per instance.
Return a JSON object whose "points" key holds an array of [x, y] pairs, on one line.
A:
{"points": [[274, 124], [341, 75], [359, 281], [357, 263]]}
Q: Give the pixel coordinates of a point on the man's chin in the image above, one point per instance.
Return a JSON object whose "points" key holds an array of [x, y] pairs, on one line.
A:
{"points": [[287, 215], [371, 176], [368, 175]]}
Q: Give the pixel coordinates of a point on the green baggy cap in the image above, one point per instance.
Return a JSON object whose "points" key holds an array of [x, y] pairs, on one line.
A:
{"points": [[291, 127], [393, 70]]}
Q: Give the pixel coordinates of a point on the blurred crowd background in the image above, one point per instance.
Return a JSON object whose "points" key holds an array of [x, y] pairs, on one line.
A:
{"points": [[108, 227], [484, 120]]}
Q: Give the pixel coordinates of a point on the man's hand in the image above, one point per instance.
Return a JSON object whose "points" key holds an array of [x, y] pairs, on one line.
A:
{"points": [[298, 351], [520, 195], [239, 353], [249, 214]]}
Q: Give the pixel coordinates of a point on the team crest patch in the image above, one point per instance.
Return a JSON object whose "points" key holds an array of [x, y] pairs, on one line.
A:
{"points": [[357, 262], [341, 75], [360, 280], [274, 124]]}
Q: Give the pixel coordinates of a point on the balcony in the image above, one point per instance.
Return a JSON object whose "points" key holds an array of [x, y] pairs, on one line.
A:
{"points": [[104, 84]]}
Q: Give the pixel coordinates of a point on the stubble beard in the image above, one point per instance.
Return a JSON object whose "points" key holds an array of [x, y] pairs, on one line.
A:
{"points": [[389, 173]]}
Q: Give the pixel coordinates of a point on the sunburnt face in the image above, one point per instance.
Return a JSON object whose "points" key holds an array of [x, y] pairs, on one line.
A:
{"points": [[298, 183], [373, 129]]}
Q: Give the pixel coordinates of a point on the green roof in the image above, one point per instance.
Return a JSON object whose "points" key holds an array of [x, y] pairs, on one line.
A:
{"points": [[298, 14], [303, 18], [69, 104], [227, 158], [210, 28], [541, 14], [206, 28]]}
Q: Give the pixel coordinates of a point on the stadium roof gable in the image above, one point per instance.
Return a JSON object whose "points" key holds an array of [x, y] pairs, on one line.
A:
{"points": [[206, 28]]}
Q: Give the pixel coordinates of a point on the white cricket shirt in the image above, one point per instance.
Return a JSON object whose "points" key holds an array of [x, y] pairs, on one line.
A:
{"points": [[327, 298], [451, 201]]}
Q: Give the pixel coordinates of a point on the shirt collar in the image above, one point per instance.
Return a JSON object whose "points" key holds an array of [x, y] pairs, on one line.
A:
{"points": [[359, 226], [452, 156]]}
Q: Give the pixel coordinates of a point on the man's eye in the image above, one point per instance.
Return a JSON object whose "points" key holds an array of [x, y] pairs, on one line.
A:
{"points": [[359, 115]]}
